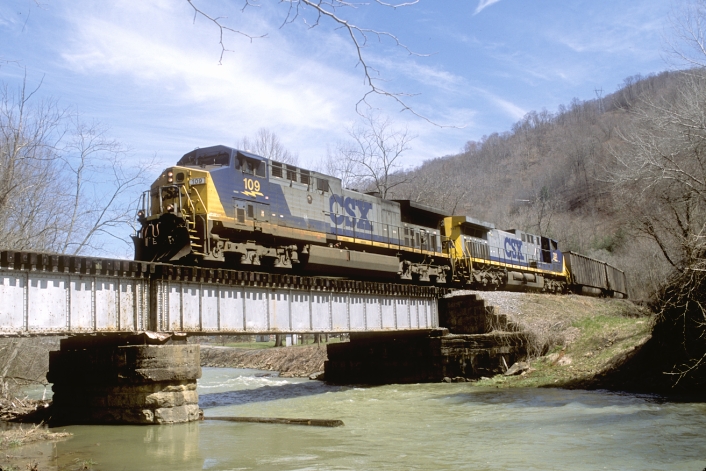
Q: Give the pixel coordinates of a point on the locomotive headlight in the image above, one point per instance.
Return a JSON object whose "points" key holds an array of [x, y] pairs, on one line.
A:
{"points": [[170, 177]]}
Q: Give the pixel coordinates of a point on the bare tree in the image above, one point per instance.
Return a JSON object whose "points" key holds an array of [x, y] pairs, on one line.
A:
{"points": [[337, 164], [338, 14], [64, 185], [686, 41], [661, 170], [28, 133], [267, 144], [373, 156], [539, 212], [660, 174], [100, 179]]}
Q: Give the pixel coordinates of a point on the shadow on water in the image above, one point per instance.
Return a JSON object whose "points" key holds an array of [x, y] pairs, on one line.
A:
{"points": [[588, 408], [265, 393], [549, 398]]}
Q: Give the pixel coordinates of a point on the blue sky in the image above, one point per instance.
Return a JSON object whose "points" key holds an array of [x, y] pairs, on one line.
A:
{"points": [[150, 72]]}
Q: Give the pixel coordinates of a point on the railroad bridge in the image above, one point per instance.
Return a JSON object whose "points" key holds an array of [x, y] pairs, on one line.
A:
{"points": [[126, 358], [62, 295]]}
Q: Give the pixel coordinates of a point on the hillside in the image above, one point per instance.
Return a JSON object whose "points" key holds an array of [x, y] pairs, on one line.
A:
{"points": [[554, 174]]}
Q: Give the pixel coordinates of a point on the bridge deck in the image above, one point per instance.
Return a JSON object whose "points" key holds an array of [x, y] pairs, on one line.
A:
{"points": [[51, 294]]}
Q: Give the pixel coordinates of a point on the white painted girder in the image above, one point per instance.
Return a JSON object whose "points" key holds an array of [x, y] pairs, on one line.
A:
{"points": [[66, 303]]}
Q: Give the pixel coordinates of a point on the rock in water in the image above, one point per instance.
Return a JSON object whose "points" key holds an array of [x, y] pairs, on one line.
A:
{"points": [[517, 368], [319, 375]]}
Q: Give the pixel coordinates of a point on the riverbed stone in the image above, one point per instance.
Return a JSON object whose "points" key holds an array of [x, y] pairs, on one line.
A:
{"points": [[517, 368], [318, 376]]}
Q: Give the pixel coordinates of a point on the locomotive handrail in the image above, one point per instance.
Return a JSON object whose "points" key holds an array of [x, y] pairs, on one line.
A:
{"points": [[192, 207]]}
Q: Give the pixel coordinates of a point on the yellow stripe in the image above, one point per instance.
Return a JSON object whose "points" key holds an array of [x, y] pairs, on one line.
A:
{"points": [[516, 267], [403, 248]]}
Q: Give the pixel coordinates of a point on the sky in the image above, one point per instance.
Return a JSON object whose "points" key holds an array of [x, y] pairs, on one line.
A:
{"points": [[153, 74]]}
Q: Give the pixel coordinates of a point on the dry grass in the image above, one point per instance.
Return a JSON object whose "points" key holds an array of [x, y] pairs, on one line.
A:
{"points": [[23, 435], [560, 321], [30, 448]]}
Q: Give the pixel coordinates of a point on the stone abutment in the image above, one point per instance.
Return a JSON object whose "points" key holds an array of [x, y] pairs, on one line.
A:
{"points": [[474, 341], [124, 379]]}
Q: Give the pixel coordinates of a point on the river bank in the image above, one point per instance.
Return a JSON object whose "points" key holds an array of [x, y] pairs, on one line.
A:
{"points": [[575, 342], [297, 361]]}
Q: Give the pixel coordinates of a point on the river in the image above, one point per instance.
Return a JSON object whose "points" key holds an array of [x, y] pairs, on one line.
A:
{"points": [[417, 427]]}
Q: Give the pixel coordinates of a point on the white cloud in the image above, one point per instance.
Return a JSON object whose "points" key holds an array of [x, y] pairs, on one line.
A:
{"points": [[268, 83], [508, 108], [482, 4]]}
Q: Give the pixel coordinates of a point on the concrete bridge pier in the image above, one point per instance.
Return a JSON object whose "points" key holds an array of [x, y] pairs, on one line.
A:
{"points": [[145, 378]]}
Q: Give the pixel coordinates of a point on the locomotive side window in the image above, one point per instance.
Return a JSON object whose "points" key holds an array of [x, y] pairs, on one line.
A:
{"points": [[253, 167], [260, 169]]}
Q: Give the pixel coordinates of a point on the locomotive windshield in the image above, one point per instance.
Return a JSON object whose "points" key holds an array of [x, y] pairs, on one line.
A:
{"points": [[220, 158]]}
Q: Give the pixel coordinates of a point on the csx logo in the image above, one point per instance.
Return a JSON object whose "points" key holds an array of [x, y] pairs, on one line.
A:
{"points": [[513, 248], [356, 210]]}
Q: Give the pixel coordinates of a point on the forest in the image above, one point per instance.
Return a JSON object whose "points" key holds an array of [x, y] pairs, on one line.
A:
{"points": [[573, 175]]}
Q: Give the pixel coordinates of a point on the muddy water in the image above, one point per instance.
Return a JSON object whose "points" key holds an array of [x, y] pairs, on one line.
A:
{"points": [[428, 426]]}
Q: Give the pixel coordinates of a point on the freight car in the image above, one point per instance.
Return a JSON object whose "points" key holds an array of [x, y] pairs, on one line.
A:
{"points": [[594, 277], [225, 207]]}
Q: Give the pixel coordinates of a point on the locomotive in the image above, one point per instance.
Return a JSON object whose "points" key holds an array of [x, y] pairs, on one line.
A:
{"points": [[229, 208]]}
